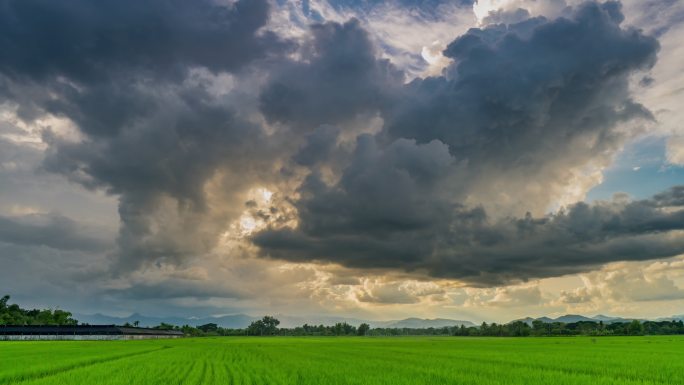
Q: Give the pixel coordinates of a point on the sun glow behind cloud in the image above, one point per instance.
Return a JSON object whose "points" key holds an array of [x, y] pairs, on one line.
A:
{"points": [[482, 8]]}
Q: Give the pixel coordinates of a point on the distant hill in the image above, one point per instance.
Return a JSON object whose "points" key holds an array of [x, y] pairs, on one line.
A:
{"points": [[239, 321], [291, 321], [570, 318], [419, 323], [235, 321], [610, 319]]}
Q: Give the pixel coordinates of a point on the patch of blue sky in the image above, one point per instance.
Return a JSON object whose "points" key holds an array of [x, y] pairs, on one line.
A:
{"points": [[640, 170]]}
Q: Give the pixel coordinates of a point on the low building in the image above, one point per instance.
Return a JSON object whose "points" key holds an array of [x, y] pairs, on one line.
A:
{"points": [[82, 332]]}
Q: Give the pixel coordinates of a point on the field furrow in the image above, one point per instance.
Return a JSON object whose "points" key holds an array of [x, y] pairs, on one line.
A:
{"points": [[348, 361], [33, 375]]}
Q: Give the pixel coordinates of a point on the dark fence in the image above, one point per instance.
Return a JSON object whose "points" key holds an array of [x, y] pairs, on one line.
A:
{"points": [[83, 330]]}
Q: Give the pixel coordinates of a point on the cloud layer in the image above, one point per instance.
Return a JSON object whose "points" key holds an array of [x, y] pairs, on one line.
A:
{"points": [[229, 141], [523, 110]]}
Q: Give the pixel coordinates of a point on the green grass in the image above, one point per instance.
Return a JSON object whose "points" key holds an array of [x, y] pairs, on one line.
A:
{"points": [[348, 360]]}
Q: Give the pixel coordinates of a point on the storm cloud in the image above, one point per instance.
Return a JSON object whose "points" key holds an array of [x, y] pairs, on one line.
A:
{"points": [[182, 110], [51, 230], [513, 122], [526, 105], [339, 77], [86, 41], [484, 251], [133, 77]]}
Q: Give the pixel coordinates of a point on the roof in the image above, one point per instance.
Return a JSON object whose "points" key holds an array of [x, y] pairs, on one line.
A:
{"points": [[82, 330]]}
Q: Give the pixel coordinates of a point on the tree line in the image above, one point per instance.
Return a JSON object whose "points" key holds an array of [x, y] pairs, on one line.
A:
{"points": [[268, 326], [580, 328], [542, 329], [13, 314]]}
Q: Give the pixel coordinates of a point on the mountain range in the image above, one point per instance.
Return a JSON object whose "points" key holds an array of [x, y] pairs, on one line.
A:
{"points": [[420, 323], [238, 321], [570, 318]]}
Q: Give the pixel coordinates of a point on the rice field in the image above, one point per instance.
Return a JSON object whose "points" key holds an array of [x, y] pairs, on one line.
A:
{"points": [[348, 360]]}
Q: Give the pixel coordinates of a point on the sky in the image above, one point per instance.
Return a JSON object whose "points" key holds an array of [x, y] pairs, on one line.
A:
{"points": [[478, 160]]}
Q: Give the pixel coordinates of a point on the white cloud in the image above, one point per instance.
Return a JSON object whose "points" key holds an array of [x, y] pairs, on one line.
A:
{"points": [[640, 289], [548, 8], [506, 296], [675, 150]]}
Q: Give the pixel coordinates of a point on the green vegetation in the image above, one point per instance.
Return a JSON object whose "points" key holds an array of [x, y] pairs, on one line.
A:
{"points": [[581, 328], [348, 360], [268, 326], [15, 315]]}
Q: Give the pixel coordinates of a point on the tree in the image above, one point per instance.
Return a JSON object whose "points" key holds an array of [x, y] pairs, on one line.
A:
{"points": [[208, 328], [6, 318], [271, 325], [15, 315], [343, 329], [61, 317], [164, 326], [263, 327], [635, 328], [539, 328], [461, 331], [363, 329], [256, 328], [518, 329]]}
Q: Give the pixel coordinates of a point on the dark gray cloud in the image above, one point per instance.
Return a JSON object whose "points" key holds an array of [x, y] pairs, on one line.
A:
{"points": [[523, 108], [86, 41], [318, 146], [671, 197], [89, 61], [400, 188], [522, 105], [388, 209], [175, 288], [531, 98], [52, 230], [159, 168], [485, 251], [152, 133], [338, 77]]}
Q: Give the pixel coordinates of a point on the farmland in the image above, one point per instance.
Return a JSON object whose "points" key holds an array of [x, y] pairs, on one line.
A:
{"points": [[347, 360]]}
